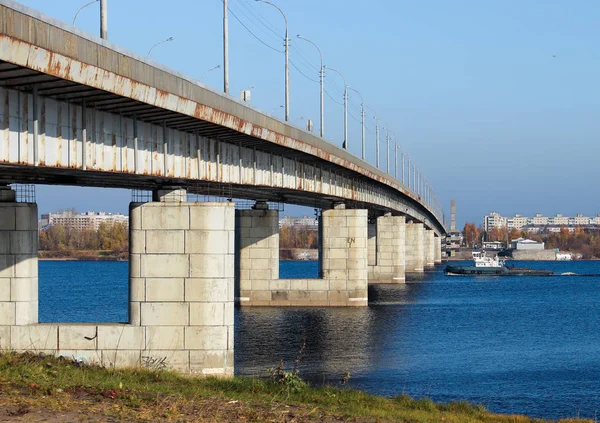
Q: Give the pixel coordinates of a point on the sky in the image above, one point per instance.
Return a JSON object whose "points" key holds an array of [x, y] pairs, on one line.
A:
{"points": [[498, 103]]}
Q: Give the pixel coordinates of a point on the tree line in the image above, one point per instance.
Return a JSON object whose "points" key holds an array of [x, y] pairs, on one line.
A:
{"points": [[294, 237], [61, 241]]}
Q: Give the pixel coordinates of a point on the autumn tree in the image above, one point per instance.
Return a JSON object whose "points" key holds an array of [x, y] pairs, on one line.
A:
{"points": [[471, 234]]}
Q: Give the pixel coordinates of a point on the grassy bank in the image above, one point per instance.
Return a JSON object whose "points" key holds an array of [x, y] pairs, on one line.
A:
{"points": [[38, 388]]}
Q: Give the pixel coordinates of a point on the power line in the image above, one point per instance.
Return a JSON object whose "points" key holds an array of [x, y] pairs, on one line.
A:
{"points": [[253, 34], [303, 74], [260, 17]]}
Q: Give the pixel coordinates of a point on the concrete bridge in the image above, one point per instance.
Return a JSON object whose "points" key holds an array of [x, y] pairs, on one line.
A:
{"points": [[77, 110]]}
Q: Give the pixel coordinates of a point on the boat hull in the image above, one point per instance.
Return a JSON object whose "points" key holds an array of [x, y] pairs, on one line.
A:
{"points": [[494, 271]]}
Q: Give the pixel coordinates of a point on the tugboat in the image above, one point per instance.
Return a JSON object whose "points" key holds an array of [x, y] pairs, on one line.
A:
{"points": [[492, 266]]}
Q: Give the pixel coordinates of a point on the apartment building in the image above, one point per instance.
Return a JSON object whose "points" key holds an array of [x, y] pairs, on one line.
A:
{"points": [[538, 222], [89, 220]]}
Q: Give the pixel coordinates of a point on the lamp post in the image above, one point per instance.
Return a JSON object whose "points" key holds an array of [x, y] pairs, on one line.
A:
{"points": [[225, 48], [396, 159], [287, 68], [211, 69], [345, 144], [387, 146], [83, 7], [393, 137], [322, 82], [362, 120], [408, 159], [376, 136], [159, 43], [103, 20], [402, 158]]}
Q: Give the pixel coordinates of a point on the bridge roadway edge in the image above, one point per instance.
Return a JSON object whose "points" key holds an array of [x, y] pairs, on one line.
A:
{"points": [[214, 107]]}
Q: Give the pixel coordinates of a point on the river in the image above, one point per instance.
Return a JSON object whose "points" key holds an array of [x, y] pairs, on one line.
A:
{"points": [[527, 345]]}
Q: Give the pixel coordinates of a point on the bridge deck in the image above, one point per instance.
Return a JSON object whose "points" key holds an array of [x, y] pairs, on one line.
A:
{"points": [[59, 65]]}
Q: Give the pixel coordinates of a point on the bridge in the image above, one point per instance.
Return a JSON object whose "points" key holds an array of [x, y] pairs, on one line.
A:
{"points": [[78, 110]]}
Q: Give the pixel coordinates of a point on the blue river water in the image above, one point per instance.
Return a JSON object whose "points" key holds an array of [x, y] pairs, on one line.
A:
{"points": [[527, 345]]}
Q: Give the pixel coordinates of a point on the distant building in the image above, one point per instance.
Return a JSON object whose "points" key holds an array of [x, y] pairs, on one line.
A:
{"points": [[305, 222], [539, 222], [492, 245], [526, 244], [90, 220]]}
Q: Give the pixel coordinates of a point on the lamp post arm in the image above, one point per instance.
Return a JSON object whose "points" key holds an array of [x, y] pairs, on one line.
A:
{"points": [[83, 7]]}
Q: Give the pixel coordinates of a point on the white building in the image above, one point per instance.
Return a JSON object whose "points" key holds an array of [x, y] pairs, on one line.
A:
{"points": [[526, 244], [299, 222], [90, 220], [494, 220], [539, 222]]}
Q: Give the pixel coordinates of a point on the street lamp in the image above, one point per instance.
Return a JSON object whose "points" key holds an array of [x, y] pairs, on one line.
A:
{"points": [[362, 121], [83, 7], [387, 139], [211, 69], [376, 135], [159, 43], [396, 159], [321, 80], [345, 144], [287, 68]]}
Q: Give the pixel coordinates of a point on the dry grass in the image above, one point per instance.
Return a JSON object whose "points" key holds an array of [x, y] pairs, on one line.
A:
{"points": [[38, 388]]}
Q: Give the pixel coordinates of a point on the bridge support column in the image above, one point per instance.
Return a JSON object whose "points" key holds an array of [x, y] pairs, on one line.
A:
{"points": [[18, 264], [429, 247], [390, 251], [438, 249], [415, 253], [344, 254], [257, 231], [182, 284]]}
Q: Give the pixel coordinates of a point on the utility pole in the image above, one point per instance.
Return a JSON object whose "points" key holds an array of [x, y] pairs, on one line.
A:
{"points": [[396, 159], [287, 67], [402, 158], [362, 121], [103, 20], [387, 141], [322, 82], [225, 49], [345, 143]]}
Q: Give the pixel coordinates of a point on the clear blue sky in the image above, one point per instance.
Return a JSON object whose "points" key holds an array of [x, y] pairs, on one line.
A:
{"points": [[497, 102]]}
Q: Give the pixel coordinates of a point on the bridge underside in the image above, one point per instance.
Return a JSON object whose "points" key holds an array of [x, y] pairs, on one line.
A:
{"points": [[39, 85]]}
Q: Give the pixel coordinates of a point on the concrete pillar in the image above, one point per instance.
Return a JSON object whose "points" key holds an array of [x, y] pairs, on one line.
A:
{"points": [[343, 262], [429, 246], [181, 286], [372, 244], [390, 251], [258, 258], [18, 263], [438, 249], [415, 253]]}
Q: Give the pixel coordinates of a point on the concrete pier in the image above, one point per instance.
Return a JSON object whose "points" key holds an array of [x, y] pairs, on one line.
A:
{"points": [[415, 252], [181, 291], [18, 264], [387, 250], [343, 277], [257, 232], [182, 283], [438, 249], [429, 248], [344, 253]]}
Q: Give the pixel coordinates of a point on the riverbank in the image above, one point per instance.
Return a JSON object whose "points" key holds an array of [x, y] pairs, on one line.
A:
{"points": [[45, 388]]}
